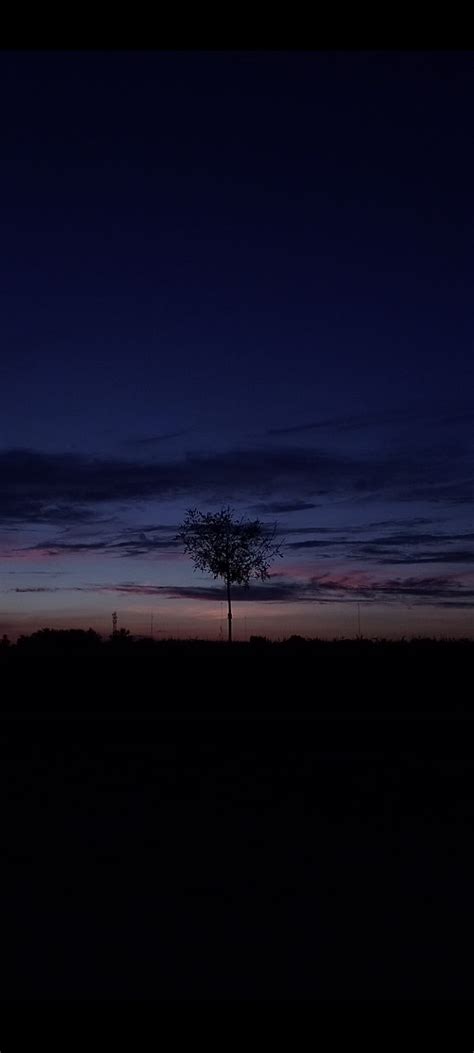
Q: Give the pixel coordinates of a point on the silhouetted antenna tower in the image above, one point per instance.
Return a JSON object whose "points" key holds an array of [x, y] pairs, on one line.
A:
{"points": [[151, 626], [358, 616], [114, 622]]}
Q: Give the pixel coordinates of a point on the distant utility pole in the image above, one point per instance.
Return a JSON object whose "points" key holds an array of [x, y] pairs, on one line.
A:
{"points": [[151, 627], [358, 616], [114, 622]]}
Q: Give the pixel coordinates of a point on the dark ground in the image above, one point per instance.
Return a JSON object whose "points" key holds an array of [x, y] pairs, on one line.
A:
{"points": [[250, 833]]}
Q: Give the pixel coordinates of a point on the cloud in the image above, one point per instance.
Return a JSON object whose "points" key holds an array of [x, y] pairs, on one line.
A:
{"points": [[446, 590], [258, 593], [144, 547], [279, 507], [409, 546], [448, 556], [436, 490], [333, 422], [57, 548], [151, 440], [38, 487], [255, 593], [453, 604], [407, 521], [395, 547], [330, 588], [319, 589], [319, 543], [131, 546], [151, 528], [354, 422], [21, 508], [315, 530], [417, 589], [411, 538], [46, 588], [42, 487]]}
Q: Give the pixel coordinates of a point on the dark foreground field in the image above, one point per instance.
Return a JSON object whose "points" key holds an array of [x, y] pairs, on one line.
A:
{"points": [[57, 675], [295, 845]]}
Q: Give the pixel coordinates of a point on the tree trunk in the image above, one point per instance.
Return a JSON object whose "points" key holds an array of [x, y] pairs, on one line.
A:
{"points": [[229, 615]]}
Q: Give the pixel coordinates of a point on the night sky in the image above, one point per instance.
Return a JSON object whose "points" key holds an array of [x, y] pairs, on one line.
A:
{"points": [[245, 279]]}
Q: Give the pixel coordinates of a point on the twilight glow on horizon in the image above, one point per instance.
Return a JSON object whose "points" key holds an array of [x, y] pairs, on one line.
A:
{"points": [[240, 279]]}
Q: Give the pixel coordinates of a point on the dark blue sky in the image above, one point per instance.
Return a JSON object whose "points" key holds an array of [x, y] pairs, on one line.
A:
{"points": [[238, 277]]}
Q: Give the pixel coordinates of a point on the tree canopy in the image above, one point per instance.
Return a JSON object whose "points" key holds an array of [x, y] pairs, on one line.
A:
{"points": [[229, 548]]}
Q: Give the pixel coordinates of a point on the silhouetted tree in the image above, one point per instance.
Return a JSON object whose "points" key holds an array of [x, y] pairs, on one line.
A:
{"points": [[258, 642], [121, 638], [4, 644], [61, 641], [295, 641], [233, 549]]}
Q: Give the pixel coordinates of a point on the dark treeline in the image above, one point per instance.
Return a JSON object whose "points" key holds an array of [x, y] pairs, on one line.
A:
{"points": [[77, 670], [87, 641]]}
